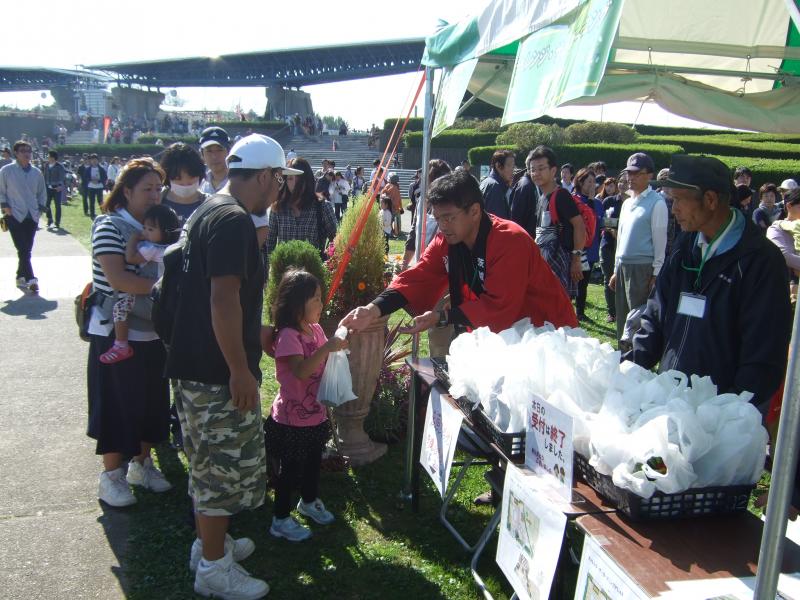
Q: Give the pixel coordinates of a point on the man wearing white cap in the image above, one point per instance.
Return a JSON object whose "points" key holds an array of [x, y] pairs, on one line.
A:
{"points": [[214, 356]]}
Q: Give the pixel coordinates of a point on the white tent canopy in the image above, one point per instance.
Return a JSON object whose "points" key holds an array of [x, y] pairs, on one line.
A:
{"points": [[733, 63]]}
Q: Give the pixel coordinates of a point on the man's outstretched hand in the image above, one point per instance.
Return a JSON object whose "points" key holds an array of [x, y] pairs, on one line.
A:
{"points": [[360, 318], [421, 323]]}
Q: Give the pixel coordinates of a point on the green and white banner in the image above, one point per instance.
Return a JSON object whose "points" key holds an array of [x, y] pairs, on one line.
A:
{"points": [[563, 61]]}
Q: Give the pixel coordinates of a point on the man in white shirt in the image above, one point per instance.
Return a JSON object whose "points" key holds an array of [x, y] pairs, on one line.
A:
{"points": [[641, 240], [214, 144]]}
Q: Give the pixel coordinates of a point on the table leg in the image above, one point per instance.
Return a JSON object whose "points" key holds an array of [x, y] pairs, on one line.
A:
{"points": [[410, 489]]}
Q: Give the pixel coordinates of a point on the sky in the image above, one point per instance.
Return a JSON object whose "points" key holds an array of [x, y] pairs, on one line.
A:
{"points": [[63, 39]]}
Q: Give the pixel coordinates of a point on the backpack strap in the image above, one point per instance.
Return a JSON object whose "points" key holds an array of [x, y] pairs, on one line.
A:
{"points": [[552, 207]]}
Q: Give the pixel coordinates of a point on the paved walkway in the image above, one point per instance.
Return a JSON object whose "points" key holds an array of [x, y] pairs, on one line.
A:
{"points": [[56, 540]]}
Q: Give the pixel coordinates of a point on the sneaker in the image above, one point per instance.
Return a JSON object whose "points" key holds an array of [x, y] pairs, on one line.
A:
{"points": [[116, 354], [114, 490], [611, 319], [21, 283], [227, 579], [147, 475], [316, 511], [33, 286], [290, 529], [239, 549]]}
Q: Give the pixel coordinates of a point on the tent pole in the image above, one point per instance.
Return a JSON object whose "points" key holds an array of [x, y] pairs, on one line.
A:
{"points": [[784, 467], [421, 209], [794, 12]]}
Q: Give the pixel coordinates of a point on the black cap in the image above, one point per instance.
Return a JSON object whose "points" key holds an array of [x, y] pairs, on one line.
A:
{"points": [[639, 161], [697, 173], [214, 135]]}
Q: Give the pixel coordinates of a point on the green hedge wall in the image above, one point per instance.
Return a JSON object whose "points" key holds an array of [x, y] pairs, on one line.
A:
{"points": [[662, 130], [614, 155], [167, 139], [765, 170], [728, 145], [453, 138], [109, 150], [249, 124], [414, 124]]}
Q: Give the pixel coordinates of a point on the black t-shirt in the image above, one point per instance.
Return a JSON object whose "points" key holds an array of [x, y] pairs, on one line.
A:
{"points": [[222, 243], [565, 209]]}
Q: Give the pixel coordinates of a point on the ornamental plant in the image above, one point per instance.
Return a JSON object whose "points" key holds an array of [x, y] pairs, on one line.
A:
{"points": [[297, 254], [363, 278]]}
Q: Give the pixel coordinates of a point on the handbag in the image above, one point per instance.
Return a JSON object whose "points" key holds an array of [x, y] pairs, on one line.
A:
{"points": [[3, 224]]}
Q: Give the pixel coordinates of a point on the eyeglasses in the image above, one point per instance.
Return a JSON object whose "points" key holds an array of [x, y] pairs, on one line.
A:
{"points": [[445, 219]]}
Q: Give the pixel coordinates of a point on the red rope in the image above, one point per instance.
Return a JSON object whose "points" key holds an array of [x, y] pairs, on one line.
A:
{"points": [[394, 142]]}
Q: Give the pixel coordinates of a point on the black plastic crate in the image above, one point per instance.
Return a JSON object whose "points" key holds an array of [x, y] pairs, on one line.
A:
{"points": [[440, 371], [512, 444], [699, 502]]}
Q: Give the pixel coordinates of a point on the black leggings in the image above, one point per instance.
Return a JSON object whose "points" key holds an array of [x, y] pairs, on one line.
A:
{"points": [[302, 474], [583, 288], [94, 195]]}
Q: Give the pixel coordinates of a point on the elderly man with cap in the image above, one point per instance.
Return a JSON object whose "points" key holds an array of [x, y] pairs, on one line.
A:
{"points": [[720, 306], [214, 355], [641, 240]]}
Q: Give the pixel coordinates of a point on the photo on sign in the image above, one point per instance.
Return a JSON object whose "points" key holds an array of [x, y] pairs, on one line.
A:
{"points": [[522, 524], [523, 572], [594, 591]]}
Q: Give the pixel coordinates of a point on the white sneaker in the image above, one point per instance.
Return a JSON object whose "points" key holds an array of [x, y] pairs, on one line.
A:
{"points": [[33, 286], [290, 529], [316, 510], [227, 579], [21, 283], [239, 549], [147, 475], [114, 490]]}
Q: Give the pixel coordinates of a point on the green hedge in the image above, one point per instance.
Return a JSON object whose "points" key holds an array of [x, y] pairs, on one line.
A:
{"points": [[728, 145], [167, 139], [614, 155], [249, 124], [662, 130], [414, 124], [109, 150], [454, 138], [765, 170]]}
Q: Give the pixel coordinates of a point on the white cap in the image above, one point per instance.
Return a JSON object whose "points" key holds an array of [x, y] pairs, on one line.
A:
{"points": [[257, 151], [788, 184]]}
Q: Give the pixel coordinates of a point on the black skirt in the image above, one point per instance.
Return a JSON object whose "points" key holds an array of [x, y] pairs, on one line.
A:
{"points": [[129, 400], [294, 443]]}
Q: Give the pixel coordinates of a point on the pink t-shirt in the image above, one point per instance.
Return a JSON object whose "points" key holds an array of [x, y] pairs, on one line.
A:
{"points": [[296, 403]]}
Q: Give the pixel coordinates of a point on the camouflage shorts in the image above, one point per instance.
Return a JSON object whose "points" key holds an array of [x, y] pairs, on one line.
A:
{"points": [[225, 449]]}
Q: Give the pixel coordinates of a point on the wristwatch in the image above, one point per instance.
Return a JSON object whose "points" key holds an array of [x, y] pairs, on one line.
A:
{"points": [[442, 322], [576, 252]]}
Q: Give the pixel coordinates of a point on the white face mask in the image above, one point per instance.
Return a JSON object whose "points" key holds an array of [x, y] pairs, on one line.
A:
{"points": [[184, 191]]}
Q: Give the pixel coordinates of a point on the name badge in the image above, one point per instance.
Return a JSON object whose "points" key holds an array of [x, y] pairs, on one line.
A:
{"points": [[692, 305]]}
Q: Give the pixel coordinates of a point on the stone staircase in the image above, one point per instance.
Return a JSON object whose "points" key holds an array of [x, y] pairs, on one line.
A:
{"points": [[351, 150], [81, 137]]}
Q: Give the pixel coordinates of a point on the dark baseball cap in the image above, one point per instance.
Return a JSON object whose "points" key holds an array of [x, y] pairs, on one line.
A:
{"points": [[697, 173], [214, 135], [639, 161]]}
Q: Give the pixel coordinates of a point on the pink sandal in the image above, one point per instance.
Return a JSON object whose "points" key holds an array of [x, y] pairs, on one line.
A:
{"points": [[116, 354]]}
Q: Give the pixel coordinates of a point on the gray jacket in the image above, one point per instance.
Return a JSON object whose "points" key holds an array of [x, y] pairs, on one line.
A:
{"points": [[23, 191]]}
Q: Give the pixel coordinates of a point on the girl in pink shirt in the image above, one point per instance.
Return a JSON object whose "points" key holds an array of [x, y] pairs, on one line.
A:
{"points": [[297, 428]]}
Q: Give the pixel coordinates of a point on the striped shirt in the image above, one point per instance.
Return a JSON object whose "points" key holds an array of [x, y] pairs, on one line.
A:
{"points": [[106, 239]]}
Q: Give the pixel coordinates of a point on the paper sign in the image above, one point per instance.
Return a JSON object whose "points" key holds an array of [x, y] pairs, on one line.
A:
{"points": [[548, 444], [600, 578], [729, 588], [531, 534], [439, 439]]}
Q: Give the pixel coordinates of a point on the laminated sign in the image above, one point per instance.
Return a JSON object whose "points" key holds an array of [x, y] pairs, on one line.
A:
{"points": [[531, 534], [439, 439], [548, 444], [600, 578]]}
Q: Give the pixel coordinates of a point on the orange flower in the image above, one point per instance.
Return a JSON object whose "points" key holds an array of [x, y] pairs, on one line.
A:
{"points": [[361, 286]]}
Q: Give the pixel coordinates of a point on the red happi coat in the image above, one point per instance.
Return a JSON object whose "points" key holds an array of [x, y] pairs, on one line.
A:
{"points": [[512, 279]]}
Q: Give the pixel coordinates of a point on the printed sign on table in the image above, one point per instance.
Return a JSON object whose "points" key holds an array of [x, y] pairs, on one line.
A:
{"points": [[548, 444], [439, 439], [531, 534], [600, 578]]}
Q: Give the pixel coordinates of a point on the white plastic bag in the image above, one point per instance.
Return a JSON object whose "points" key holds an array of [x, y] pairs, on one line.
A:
{"points": [[336, 386]]}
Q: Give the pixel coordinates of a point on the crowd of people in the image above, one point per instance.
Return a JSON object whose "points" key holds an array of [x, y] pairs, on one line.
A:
{"points": [[695, 267]]}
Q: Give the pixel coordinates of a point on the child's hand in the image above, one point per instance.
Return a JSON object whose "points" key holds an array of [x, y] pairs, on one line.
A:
{"points": [[335, 344], [268, 340]]}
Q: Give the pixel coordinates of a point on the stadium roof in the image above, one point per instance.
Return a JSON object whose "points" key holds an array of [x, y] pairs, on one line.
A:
{"points": [[21, 79], [292, 67]]}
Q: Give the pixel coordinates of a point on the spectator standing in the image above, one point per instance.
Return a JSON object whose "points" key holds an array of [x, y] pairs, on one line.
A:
{"points": [[641, 240], [392, 191], [96, 178], [743, 200], [358, 182], [128, 401], [782, 236], [113, 171], [768, 211], [525, 199], [5, 157], [560, 234], [23, 197], [184, 169], [567, 173], [55, 177], [744, 176], [214, 354], [214, 144], [496, 187], [585, 184], [612, 205], [340, 194], [299, 214]]}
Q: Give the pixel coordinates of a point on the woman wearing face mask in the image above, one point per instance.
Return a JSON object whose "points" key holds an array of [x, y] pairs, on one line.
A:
{"points": [[185, 169]]}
